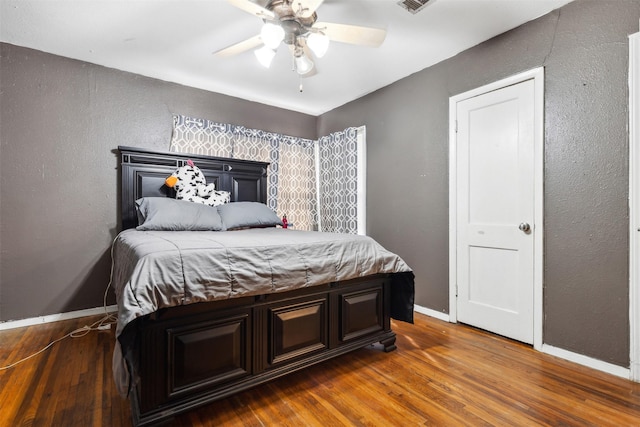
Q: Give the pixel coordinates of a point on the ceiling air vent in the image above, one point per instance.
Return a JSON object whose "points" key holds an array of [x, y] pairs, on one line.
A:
{"points": [[413, 6]]}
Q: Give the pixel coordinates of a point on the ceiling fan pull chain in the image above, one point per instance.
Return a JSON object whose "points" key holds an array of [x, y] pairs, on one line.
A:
{"points": [[300, 87]]}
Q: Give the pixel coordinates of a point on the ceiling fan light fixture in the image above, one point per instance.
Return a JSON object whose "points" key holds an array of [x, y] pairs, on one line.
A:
{"points": [[318, 43], [303, 64], [272, 35], [265, 55], [294, 23]]}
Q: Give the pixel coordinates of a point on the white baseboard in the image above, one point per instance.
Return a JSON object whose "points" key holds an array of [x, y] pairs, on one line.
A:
{"points": [[432, 313], [11, 324], [635, 372], [587, 361]]}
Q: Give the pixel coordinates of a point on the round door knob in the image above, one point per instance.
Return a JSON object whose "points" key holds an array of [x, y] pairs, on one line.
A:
{"points": [[525, 227]]}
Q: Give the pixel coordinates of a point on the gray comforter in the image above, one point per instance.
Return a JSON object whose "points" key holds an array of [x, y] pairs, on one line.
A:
{"points": [[156, 269]]}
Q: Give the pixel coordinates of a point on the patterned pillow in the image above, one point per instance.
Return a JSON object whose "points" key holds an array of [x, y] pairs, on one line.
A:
{"points": [[190, 184]]}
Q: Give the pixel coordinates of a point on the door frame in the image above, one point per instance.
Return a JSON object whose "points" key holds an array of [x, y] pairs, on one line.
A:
{"points": [[537, 75], [634, 206]]}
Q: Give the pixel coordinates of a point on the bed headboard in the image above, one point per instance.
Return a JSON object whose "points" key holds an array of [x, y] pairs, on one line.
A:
{"points": [[143, 172]]}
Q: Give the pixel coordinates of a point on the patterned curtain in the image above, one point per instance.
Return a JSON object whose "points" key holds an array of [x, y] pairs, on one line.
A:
{"points": [[340, 183], [297, 197], [291, 188], [319, 185], [252, 144], [201, 136]]}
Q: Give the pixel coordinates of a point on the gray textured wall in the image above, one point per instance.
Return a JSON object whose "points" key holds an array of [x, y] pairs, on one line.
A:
{"points": [[61, 121], [584, 49]]}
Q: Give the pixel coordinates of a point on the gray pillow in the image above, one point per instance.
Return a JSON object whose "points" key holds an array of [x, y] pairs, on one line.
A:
{"points": [[162, 213], [247, 215]]}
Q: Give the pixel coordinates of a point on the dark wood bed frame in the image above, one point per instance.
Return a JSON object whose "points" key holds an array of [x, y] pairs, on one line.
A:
{"points": [[187, 356]]}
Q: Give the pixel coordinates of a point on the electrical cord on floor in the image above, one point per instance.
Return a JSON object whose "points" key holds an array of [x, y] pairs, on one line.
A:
{"points": [[102, 324]]}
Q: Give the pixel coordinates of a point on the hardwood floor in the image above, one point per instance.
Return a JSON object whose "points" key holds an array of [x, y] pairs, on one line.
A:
{"points": [[441, 374]]}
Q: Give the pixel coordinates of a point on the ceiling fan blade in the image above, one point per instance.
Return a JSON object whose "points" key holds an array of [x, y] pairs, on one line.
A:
{"points": [[353, 34], [237, 48], [308, 7], [252, 8]]}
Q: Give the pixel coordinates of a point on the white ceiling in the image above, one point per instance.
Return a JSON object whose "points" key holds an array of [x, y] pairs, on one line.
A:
{"points": [[173, 40]]}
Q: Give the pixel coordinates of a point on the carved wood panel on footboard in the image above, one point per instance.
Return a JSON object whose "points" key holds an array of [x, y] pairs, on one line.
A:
{"points": [[204, 352]]}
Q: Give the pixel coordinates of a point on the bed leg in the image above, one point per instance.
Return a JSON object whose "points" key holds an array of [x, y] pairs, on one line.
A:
{"points": [[389, 344]]}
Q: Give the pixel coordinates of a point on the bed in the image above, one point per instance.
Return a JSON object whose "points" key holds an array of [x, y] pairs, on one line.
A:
{"points": [[205, 314]]}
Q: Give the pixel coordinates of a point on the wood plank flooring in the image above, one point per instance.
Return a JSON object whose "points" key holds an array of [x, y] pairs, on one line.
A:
{"points": [[441, 375]]}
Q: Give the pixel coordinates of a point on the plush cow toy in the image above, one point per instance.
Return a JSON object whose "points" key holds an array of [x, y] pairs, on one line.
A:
{"points": [[190, 184]]}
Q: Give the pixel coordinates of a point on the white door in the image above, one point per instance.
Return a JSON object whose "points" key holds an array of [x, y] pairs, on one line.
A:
{"points": [[495, 211]]}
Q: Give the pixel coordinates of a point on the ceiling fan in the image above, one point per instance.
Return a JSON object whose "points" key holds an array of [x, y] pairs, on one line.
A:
{"points": [[294, 23]]}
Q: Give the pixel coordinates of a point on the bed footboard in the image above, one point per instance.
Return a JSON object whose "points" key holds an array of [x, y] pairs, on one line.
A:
{"points": [[189, 356]]}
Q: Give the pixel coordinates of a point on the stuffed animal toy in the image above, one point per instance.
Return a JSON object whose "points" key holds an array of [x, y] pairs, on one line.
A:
{"points": [[190, 184]]}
